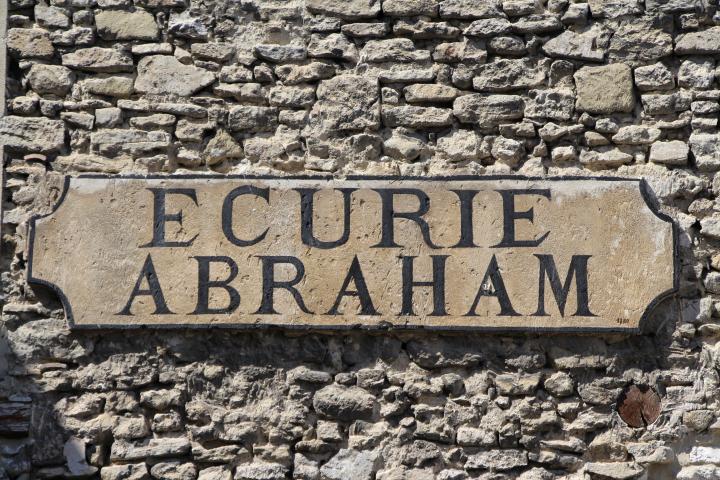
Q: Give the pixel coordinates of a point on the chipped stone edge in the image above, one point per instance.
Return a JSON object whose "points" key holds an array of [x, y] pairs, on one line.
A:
{"points": [[643, 186]]}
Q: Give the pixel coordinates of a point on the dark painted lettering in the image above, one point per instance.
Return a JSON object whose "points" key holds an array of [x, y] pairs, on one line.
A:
{"points": [[148, 274], [161, 217], [510, 216], [389, 215], [493, 278], [205, 284], [269, 284], [578, 269], [466, 218], [306, 213], [361, 291], [227, 213], [437, 283]]}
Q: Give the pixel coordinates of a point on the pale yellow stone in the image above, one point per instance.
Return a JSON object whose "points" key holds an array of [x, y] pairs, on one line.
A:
{"points": [[92, 249]]}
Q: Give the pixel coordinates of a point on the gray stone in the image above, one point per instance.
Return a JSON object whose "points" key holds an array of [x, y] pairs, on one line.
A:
{"points": [[403, 146], [410, 8], [488, 111], [508, 151], [614, 471], [256, 119], [392, 50], [460, 146], [215, 473], [54, 79], [156, 448], [345, 404], [488, 27], [260, 471], [51, 17], [112, 86], [576, 46], [174, 471], [605, 158], [605, 89], [416, 117], [222, 147], [469, 9], [346, 102], [504, 75], [654, 77], [674, 153], [614, 8], [32, 134], [334, 45], [537, 24], [497, 460], [186, 25], [705, 42], [349, 10], [637, 43], [556, 104], [280, 53], [114, 141], [29, 43], [637, 135], [164, 74], [697, 72], [97, 59], [125, 472], [346, 464], [120, 25], [560, 384]]}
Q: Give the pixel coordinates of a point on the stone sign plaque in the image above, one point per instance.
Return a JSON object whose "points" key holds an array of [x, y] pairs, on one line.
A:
{"points": [[452, 253]]}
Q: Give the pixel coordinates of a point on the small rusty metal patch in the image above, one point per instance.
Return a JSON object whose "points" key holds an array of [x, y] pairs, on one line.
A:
{"points": [[639, 405]]}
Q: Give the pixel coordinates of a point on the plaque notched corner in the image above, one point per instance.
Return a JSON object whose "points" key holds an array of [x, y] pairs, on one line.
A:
{"points": [[652, 203], [29, 275]]}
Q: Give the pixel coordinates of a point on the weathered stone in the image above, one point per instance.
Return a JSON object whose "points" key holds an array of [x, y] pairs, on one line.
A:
{"points": [[96, 59], [672, 153], [222, 147], [29, 43], [51, 17], [469, 9], [614, 8], [410, 8], [260, 471], [416, 117], [497, 460], [120, 25], [638, 43], [556, 104], [606, 158], [351, 464], [113, 141], [346, 102], [113, 86], [349, 10], [174, 471], [292, 97], [125, 472], [488, 110], [605, 89], [697, 73], [507, 151], [705, 42], [576, 46], [636, 135], [488, 27], [613, 471], [506, 75], [164, 74], [460, 146], [654, 77], [345, 404], [280, 53], [537, 24], [32, 134], [156, 448], [392, 50], [54, 79]]}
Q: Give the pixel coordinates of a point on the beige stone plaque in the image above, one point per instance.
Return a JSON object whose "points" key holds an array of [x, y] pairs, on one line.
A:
{"points": [[453, 253]]}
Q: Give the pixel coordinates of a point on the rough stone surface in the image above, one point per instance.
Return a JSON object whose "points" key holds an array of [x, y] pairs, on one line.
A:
{"points": [[164, 74], [554, 89], [605, 89]]}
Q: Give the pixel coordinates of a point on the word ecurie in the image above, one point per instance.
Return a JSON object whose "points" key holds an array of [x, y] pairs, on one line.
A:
{"points": [[453, 253]]}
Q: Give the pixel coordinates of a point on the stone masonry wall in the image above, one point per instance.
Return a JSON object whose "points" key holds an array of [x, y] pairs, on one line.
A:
{"points": [[394, 87]]}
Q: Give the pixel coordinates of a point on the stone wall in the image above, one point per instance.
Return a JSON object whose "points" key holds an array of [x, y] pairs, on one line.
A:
{"points": [[398, 87]]}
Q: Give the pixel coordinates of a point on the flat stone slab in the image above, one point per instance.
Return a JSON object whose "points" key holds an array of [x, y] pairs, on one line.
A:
{"points": [[453, 253]]}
